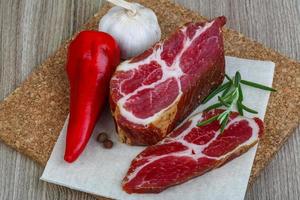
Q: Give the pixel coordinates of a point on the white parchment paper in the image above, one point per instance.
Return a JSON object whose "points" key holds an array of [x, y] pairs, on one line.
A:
{"points": [[100, 171]]}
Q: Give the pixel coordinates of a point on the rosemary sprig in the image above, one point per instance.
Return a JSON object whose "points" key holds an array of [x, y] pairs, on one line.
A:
{"points": [[232, 95]]}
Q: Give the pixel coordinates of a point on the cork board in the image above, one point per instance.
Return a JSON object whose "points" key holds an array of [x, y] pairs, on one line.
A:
{"points": [[33, 115]]}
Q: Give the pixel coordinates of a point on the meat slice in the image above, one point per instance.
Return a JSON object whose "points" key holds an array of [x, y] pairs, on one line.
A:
{"points": [[154, 91], [190, 151]]}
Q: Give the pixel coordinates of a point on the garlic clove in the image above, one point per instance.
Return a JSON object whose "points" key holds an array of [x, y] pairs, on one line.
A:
{"points": [[134, 33]]}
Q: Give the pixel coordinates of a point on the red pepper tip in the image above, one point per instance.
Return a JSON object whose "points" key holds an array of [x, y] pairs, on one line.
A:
{"points": [[69, 158]]}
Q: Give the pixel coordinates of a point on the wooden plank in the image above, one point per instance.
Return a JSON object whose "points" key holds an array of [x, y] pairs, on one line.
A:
{"points": [[32, 30]]}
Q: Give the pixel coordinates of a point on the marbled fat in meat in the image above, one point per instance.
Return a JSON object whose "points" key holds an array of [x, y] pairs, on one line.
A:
{"points": [[190, 151], [151, 93]]}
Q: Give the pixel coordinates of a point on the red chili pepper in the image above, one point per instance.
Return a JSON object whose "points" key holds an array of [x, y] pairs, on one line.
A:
{"points": [[92, 59]]}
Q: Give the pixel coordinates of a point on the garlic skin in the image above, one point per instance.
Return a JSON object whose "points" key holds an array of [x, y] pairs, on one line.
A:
{"points": [[134, 32]]}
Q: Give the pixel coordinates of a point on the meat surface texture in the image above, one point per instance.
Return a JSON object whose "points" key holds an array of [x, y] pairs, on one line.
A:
{"points": [[190, 151], [151, 93]]}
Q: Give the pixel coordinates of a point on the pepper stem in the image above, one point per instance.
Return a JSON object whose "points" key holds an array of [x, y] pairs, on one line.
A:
{"points": [[124, 4]]}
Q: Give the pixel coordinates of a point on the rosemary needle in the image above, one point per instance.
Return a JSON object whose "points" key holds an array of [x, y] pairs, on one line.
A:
{"points": [[257, 85]]}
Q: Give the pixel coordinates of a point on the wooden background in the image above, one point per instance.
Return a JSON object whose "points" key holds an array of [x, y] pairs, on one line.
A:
{"points": [[33, 30]]}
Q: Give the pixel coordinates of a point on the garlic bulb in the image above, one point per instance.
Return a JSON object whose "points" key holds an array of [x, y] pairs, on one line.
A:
{"points": [[134, 26]]}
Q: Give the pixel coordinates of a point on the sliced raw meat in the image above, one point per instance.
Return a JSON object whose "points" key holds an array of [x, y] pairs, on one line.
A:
{"points": [[151, 93], [190, 151]]}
